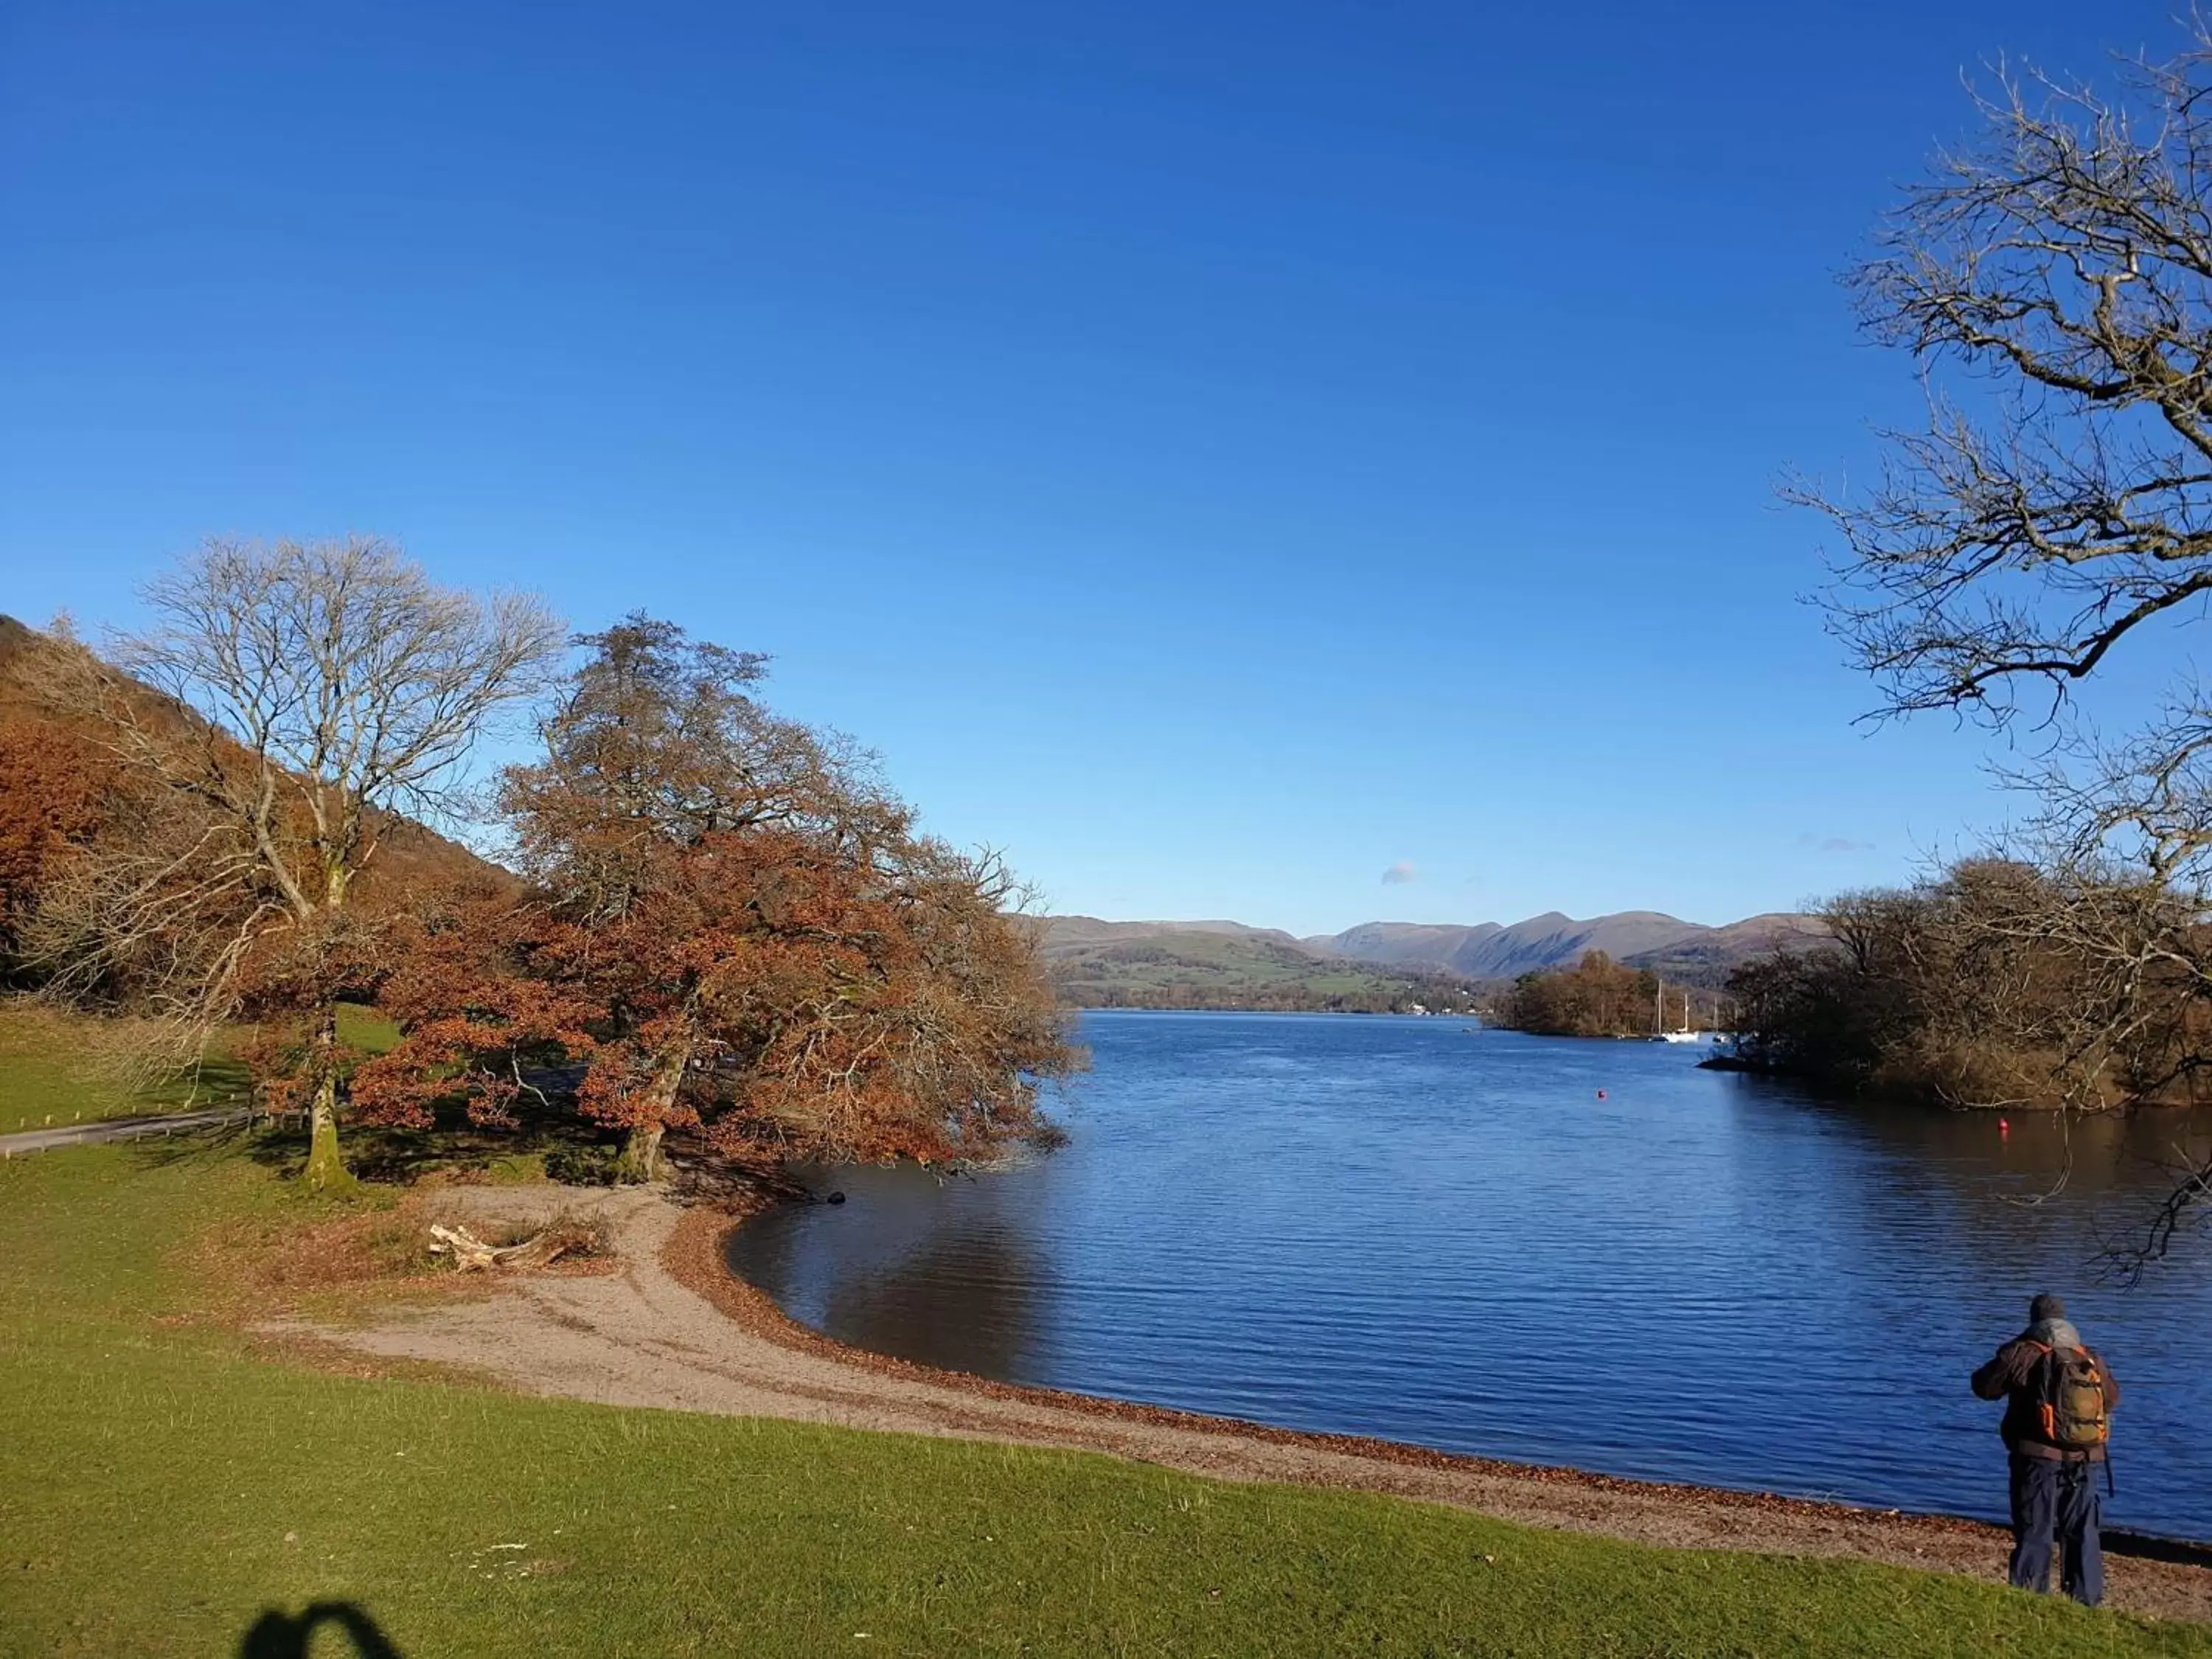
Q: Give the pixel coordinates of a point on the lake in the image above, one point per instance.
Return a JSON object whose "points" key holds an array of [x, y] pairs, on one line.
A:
{"points": [[1407, 1228]]}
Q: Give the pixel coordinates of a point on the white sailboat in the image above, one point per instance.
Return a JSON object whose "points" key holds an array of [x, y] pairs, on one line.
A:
{"points": [[1685, 1035]]}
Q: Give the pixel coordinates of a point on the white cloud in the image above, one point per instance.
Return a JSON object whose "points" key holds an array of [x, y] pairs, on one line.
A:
{"points": [[1834, 843]]}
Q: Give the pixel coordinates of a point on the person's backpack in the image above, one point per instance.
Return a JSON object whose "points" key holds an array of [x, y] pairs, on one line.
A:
{"points": [[2076, 1416]]}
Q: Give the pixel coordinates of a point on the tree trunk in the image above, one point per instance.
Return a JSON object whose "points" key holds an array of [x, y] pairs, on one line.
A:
{"points": [[326, 1172], [641, 1154]]}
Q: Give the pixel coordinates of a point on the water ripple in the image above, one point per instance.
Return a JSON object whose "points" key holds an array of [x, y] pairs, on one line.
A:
{"points": [[1387, 1227]]}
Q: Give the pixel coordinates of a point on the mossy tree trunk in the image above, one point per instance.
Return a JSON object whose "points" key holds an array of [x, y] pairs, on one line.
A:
{"points": [[326, 1172], [641, 1159]]}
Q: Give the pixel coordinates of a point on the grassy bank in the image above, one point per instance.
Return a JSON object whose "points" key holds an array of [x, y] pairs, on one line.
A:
{"points": [[51, 1072], [52, 1069], [162, 1486]]}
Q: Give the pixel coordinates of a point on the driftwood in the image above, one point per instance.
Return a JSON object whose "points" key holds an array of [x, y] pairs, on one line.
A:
{"points": [[471, 1254]]}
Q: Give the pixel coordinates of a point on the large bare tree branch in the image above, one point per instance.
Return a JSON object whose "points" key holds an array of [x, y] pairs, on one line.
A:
{"points": [[2064, 261]]}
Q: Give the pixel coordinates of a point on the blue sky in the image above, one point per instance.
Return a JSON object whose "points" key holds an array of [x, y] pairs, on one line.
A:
{"points": [[1223, 455]]}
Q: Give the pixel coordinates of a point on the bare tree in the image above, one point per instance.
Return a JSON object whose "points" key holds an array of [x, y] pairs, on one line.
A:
{"points": [[2054, 281], [312, 696], [2066, 260]]}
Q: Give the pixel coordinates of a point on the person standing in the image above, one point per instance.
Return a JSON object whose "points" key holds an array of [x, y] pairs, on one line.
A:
{"points": [[2059, 1397]]}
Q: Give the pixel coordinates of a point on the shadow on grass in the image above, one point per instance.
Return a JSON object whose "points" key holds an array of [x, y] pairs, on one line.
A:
{"points": [[453, 1146], [279, 1635]]}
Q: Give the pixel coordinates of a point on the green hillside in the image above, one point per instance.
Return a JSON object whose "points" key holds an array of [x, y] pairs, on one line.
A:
{"points": [[1212, 969]]}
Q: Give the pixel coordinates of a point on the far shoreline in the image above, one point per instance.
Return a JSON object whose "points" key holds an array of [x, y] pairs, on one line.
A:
{"points": [[1348, 1013]]}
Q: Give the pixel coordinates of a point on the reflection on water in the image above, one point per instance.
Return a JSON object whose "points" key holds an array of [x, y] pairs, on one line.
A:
{"points": [[1394, 1227], [975, 1281]]}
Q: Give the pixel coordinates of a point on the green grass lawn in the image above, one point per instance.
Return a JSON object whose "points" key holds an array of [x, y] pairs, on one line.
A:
{"points": [[48, 1073], [161, 1488]]}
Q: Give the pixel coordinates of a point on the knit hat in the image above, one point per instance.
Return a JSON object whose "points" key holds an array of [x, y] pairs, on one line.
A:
{"points": [[2046, 1306]]}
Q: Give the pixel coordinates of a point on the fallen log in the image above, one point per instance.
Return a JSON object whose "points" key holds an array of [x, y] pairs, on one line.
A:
{"points": [[471, 1254]]}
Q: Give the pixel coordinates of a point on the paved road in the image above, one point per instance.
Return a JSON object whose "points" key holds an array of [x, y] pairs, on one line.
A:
{"points": [[117, 1128]]}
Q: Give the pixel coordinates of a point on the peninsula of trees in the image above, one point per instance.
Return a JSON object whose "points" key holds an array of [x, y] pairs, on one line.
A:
{"points": [[1599, 997]]}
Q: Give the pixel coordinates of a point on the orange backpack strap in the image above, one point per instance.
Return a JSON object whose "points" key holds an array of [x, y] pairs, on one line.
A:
{"points": [[2045, 1416]]}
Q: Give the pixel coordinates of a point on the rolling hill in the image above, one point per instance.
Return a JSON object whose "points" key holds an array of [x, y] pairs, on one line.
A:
{"points": [[1167, 964], [1378, 964]]}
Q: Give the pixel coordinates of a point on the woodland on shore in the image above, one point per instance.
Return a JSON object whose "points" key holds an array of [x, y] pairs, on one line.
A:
{"points": [[707, 917]]}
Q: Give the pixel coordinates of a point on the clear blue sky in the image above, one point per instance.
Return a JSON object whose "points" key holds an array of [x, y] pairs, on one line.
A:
{"points": [[1219, 454]]}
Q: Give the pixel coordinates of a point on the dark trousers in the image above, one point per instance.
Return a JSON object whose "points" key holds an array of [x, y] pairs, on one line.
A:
{"points": [[2050, 1498]]}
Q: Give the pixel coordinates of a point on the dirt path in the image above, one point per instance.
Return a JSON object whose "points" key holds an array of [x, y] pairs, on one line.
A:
{"points": [[671, 1329]]}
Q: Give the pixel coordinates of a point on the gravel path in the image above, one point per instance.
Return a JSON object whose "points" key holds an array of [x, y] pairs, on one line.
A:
{"points": [[672, 1328]]}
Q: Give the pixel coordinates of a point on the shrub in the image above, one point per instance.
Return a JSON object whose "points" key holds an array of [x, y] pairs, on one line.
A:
{"points": [[582, 1166]]}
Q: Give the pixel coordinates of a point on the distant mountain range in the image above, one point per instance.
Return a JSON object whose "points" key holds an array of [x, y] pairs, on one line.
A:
{"points": [[1489, 951], [1230, 964]]}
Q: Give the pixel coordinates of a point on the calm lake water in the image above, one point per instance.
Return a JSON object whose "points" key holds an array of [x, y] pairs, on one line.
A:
{"points": [[1404, 1228]]}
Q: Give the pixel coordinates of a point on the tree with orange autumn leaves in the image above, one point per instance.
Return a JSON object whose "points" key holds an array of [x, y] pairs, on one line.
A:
{"points": [[53, 792], [731, 926]]}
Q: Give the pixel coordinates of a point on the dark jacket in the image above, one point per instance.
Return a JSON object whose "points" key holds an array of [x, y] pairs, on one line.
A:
{"points": [[2016, 1376]]}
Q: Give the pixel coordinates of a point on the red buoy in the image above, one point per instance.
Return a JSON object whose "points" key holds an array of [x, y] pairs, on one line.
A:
{"points": [[2004, 1126]]}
